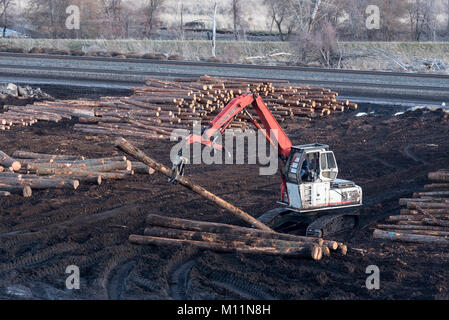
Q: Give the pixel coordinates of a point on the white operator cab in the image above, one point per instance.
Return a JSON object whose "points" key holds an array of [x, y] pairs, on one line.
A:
{"points": [[312, 183]]}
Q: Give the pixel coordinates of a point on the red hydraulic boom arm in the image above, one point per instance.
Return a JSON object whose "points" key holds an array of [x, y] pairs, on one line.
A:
{"points": [[271, 128], [228, 114]]}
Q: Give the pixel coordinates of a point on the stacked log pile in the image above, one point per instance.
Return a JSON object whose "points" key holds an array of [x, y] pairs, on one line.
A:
{"points": [[220, 237], [25, 171], [426, 216], [157, 108]]}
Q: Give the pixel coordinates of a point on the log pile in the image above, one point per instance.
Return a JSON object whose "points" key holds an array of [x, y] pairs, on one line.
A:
{"points": [[25, 171], [220, 237], [425, 218], [157, 108]]}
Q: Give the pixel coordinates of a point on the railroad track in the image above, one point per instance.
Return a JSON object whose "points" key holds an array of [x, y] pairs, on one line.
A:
{"points": [[127, 73]]}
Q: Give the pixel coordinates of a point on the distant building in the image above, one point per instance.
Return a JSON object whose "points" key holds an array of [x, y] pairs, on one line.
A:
{"points": [[195, 25]]}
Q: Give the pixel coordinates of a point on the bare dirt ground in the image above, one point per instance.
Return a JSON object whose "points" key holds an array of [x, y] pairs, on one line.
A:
{"points": [[388, 156]]}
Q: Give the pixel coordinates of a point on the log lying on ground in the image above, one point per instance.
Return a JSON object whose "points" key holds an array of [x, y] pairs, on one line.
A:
{"points": [[436, 222], [40, 183], [230, 230], [140, 168], [440, 176], [8, 162], [395, 236], [428, 211], [411, 227], [427, 205], [24, 191], [4, 194], [440, 194], [33, 155], [307, 251], [436, 186], [221, 238], [120, 165], [128, 148]]}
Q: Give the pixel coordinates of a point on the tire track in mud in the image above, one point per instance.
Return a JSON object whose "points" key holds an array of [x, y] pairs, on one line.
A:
{"points": [[179, 269], [409, 154], [180, 280], [384, 162], [41, 256], [117, 278], [242, 288]]}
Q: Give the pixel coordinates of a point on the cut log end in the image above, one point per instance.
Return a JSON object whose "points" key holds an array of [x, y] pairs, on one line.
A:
{"points": [[16, 166], [27, 192], [343, 249], [317, 253]]}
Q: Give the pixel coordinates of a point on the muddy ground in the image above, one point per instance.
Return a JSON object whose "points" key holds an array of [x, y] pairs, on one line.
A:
{"points": [[388, 156]]}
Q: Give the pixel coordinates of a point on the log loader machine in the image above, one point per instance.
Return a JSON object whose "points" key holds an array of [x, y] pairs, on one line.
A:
{"points": [[310, 189]]}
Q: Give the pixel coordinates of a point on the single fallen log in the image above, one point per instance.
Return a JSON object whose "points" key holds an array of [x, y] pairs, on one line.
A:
{"points": [[235, 231], [8, 162], [440, 194], [422, 232], [405, 201], [396, 236], [40, 183], [120, 165], [427, 205], [97, 179], [411, 227], [249, 240], [440, 176], [24, 191], [417, 217], [436, 186], [141, 168], [427, 211], [33, 155], [4, 194], [311, 252], [128, 148], [436, 222]]}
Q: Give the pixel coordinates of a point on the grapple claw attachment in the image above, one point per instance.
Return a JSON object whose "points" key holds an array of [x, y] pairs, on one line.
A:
{"points": [[178, 169]]}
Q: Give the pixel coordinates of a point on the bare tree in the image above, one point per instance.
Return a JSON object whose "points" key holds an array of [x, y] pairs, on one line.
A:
{"points": [[236, 17], [422, 18], [281, 14], [314, 14], [447, 15], [214, 28], [152, 9], [182, 20], [113, 10], [5, 6], [48, 16]]}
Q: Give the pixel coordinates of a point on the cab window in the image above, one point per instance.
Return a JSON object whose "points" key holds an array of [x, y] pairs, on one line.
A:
{"points": [[310, 167], [294, 168], [328, 165]]}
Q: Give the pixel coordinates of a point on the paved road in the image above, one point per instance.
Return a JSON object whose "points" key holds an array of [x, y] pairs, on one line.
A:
{"points": [[126, 73]]}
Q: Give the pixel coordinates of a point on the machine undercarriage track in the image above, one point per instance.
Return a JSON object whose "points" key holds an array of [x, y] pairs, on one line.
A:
{"points": [[316, 224]]}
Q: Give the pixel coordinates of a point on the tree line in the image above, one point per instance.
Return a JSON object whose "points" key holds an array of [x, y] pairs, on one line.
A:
{"points": [[403, 20]]}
